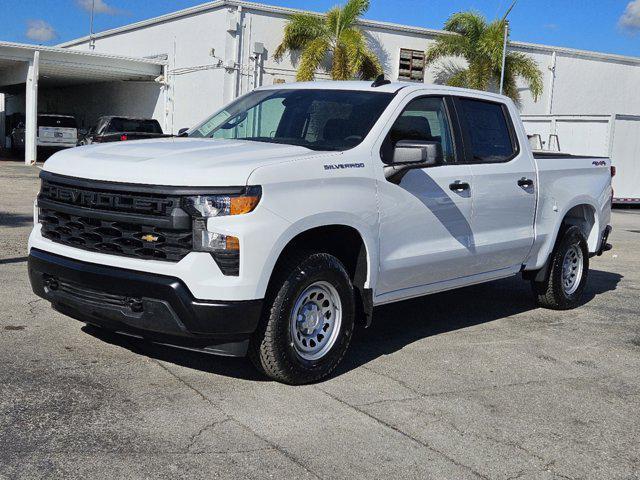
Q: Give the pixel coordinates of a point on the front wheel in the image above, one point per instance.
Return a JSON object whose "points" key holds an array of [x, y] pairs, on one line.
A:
{"points": [[567, 278], [308, 323]]}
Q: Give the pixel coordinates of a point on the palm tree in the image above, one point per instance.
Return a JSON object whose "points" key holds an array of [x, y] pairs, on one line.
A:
{"points": [[481, 45], [333, 38]]}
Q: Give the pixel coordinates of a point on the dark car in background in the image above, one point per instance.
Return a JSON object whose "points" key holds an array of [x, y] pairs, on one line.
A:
{"points": [[118, 129]]}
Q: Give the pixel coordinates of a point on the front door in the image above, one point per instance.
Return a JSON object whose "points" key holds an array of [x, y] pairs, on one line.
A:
{"points": [[504, 185], [425, 219]]}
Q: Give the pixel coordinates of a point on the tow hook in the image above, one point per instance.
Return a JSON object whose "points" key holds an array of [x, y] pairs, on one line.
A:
{"points": [[135, 304]]}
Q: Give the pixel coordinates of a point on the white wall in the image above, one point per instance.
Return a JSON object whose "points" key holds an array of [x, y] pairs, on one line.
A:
{"points": [[187, 42], [583, 84]]}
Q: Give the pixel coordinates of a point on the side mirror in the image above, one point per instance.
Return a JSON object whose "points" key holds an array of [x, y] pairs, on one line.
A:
{"points": [[183, 132], [410, 154]]}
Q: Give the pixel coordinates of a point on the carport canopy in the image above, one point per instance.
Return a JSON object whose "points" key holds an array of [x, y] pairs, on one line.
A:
{"points": [[24, 67]]}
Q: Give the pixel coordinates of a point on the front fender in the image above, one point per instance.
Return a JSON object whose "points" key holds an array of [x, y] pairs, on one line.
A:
{"points": [[324, 219]]}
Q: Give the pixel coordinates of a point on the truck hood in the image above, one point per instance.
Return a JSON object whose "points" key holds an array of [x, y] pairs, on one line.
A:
{"points": [[173, 161]]}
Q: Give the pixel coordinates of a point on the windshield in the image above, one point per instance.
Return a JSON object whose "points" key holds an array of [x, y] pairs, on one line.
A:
{"points": [[316, 119]]}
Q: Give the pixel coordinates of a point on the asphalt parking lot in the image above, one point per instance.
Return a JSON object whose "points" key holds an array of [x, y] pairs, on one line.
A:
{"points": [[476, 383]]}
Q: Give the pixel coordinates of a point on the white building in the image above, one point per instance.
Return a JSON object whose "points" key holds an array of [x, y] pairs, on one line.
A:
{"points": [[180, 67]]}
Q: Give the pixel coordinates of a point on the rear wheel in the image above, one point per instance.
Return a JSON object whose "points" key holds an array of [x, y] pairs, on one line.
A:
{"points": [[567, 278], [308, 322]]}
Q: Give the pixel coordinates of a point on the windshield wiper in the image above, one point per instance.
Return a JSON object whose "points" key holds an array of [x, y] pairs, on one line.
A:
{"points": [[289, 142]]}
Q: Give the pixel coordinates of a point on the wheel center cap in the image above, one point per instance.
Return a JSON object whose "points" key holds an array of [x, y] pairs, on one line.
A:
{"points": [[311, 318]]}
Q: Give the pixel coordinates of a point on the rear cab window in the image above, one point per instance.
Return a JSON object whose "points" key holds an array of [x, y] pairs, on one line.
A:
{"points": [[56, 121], [488, 131], [130, 125]]}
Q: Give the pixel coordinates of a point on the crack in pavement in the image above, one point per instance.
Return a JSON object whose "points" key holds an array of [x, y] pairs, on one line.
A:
{"points": [[406, 435], [273, 445], [206, 427], [419, 395]]}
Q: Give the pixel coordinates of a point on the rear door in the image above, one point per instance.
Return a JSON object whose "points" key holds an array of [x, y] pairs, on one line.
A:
{"points": [[503, 185]]}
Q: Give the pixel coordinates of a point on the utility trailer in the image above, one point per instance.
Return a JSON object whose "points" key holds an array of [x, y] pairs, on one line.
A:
{"points": [[616, 136]]}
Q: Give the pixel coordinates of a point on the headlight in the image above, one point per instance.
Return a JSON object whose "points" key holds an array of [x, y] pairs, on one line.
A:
{"points": [[225, 249], [207, 206]]}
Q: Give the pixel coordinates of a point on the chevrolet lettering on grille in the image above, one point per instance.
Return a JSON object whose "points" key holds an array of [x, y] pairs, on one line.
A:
{"points": [[92, 199]]}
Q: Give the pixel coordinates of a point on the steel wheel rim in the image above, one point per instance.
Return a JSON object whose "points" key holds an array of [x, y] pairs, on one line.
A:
{"points": [[315, 321], [572, 266]]}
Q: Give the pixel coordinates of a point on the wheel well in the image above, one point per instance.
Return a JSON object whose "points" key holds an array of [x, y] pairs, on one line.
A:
{"points": [[584, 217], [347, 245]]}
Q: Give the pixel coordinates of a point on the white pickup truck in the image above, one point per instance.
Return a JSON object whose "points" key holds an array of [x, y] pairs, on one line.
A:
{"points": [[277, 225]]}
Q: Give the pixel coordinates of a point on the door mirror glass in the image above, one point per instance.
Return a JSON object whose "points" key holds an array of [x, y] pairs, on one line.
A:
{"points": [[419, 154]]}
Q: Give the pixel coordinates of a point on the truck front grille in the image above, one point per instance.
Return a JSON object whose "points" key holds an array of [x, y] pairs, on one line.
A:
{"points": [[127, 239], [114, 219]]}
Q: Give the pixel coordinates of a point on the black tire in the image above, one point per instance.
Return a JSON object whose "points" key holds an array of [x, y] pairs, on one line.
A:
{"points": [[272, 347], [552, 293]]}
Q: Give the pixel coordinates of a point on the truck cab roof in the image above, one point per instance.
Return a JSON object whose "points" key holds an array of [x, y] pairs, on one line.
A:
{"points": [[391, 87]]}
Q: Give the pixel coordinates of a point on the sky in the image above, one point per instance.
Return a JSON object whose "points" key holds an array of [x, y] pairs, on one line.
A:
{"points": [[611, 26]]}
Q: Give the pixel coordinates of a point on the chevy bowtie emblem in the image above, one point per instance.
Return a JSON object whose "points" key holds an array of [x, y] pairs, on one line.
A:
{"points": [[149, 238]]}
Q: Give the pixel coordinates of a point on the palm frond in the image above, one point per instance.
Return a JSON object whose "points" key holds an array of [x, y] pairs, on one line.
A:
{"points": [[468, 24], [340, 68], [351, 11], [458, 79], [362, 61], [355, 44], [479, 75], [332, 21], [370, 67], [491, 42], [301, 28], [520, 65], [314, 53], [448, 46]]}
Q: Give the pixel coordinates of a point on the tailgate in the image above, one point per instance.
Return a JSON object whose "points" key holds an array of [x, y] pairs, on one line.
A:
{"points": [[57, 135]]}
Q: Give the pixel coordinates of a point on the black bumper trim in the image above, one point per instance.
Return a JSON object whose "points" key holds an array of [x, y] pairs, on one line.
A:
{"points": [[156, 307]]}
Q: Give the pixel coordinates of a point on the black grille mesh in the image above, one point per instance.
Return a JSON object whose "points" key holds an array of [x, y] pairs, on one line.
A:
{"points": [[115, 237]]}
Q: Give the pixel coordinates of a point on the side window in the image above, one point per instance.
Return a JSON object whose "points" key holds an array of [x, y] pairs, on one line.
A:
{"points": [[424, 119], [488, 130]]}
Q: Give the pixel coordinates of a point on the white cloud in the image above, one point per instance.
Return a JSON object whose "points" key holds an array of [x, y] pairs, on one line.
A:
{"points": [[99, 6], [40, 31], [630, 19]]}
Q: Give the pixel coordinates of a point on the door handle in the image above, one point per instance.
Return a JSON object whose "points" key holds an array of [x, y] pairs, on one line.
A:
{"points": [[525, 182], [459, 186]]}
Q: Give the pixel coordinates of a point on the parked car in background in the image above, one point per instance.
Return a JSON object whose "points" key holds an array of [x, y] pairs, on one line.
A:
{"points": [[53, 131], [118, 129], [279, 222]]}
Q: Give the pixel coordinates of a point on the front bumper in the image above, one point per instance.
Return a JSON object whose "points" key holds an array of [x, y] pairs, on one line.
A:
{"points": [[155, 307]]}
